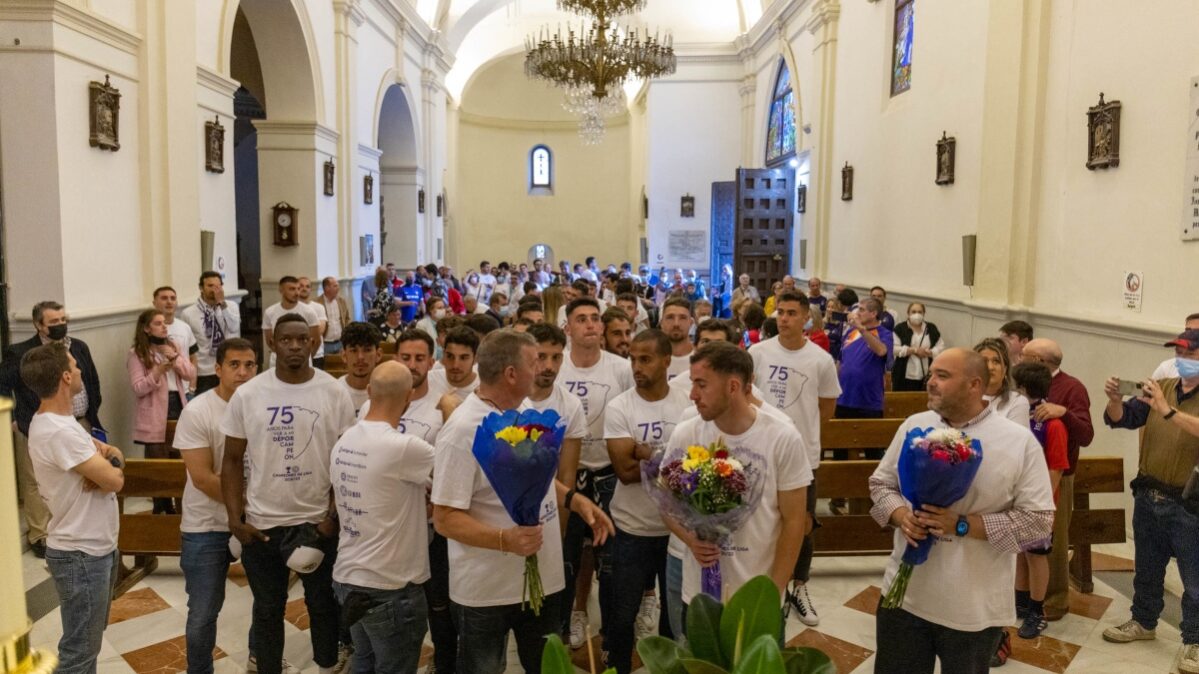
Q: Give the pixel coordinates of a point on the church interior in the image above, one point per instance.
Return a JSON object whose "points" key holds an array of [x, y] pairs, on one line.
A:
{"points": [[993, 160]]}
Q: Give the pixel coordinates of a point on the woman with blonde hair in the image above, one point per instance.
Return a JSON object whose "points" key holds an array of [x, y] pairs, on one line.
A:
{"points": [[1000, 394], [552, 299], [159, 372]]}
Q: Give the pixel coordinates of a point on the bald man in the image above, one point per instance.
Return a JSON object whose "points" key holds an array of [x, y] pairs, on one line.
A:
{"points": [[1008, 507], [1068, 401], [380, 477]]}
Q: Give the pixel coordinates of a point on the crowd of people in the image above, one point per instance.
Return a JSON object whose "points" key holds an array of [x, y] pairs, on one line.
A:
{"points": [[367, 487]]}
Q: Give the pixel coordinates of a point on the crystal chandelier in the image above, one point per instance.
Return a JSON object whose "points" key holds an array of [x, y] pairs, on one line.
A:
{"points": [[594, 63]]}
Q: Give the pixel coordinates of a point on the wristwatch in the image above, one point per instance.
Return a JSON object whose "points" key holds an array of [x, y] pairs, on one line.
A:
{"points": [[963, 526]]}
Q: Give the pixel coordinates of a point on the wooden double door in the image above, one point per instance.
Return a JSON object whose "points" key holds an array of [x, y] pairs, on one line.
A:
{"points": [[765, 205]]}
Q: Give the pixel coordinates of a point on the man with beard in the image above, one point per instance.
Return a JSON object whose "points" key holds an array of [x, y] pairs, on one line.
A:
{"points": [[676, 323], [618, 331]]}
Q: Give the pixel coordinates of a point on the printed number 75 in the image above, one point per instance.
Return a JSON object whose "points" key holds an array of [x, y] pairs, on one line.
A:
{"points": [[578, 388], [778, 372], [283, 414], [646, 429]]}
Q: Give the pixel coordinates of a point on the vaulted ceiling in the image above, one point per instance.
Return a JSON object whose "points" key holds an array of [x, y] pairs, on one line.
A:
{"points": [[478, 31]]}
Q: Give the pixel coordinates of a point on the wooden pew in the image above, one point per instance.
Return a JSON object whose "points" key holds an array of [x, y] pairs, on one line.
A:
{"points": [[903, 404], [145, 536], [860, 535]]}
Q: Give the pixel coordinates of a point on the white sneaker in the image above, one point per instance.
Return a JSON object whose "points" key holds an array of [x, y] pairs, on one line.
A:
{"points": [[287, 667], [647, 617], [1129, 631], [1188, 659], [578, 629], [802, 604], [345, 653]]}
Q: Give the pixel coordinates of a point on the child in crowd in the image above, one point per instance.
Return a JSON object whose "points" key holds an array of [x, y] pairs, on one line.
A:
{"points": [[1032, 566]]}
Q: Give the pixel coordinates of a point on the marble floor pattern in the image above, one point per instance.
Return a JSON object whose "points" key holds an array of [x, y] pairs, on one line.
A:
{"points": [[145, 634]]}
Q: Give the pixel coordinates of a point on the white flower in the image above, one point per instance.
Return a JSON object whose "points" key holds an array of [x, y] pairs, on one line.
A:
{"points": [[944, 436]]}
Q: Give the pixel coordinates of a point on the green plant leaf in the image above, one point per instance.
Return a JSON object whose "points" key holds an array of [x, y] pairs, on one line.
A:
{"points": [[661, 655], [694, 666], [761, 657], [704, 625], [554, 658], [804, 660], [754, 610]]}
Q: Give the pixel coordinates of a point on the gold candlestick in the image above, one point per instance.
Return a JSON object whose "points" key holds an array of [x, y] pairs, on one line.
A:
{"points": [[16, 657]]}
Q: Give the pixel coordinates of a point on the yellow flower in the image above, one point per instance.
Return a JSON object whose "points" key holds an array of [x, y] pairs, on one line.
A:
{"points": [[698, 454], [690, 465], [513, 435], [535, 434]]}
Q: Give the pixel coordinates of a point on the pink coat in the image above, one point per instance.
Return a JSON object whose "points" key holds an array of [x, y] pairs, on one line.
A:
{"points": [[150, 388]]}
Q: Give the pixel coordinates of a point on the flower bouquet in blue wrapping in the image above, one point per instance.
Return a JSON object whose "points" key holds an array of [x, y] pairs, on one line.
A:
{"points": [[518, 452], [711, 490], [936, 467]]}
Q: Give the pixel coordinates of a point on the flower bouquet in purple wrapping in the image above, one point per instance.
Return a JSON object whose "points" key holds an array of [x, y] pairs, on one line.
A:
{"points": [[518, 452], [710, 490], [936, 467]]}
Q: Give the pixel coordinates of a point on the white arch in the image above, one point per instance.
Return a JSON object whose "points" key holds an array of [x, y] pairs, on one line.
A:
{"points": [[287, 53], [396, 130], [393, 78]]}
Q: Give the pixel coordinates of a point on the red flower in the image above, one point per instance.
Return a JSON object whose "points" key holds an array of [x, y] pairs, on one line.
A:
{"points": [[940, 455], [722, 454]]}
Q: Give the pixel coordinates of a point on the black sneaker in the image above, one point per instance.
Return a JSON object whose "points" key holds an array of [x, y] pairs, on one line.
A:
{"points": [[1034, 624], [39, 549]]}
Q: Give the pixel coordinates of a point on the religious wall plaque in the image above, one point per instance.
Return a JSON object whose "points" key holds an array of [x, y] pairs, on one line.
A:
{"points": [[801, 199], [847, 182], [214, 146], [1103, 134], [687, 207], [946, 158], [329, 171], [368, 189], [1190, 208], [104, 115]]}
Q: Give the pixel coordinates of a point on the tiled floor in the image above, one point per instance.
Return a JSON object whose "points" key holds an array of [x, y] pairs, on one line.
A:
{"points": [[145, 634]]}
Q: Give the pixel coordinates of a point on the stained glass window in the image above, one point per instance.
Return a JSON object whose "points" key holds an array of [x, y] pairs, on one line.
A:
{"points": [[540, 167], [780, 129], [901, 59]]}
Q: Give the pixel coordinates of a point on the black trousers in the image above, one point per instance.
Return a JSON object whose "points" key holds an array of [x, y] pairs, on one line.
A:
{"points": [[908, 644]]}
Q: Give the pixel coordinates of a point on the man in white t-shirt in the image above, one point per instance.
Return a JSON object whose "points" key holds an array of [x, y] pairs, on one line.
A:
{"points": [[768, 542], [205, 526], [596, 377], [800, 379], [304, 289], [289, 302], [166, 301], [548, 394], [285, 422], [637, 424], [336, 311], [457, 374], [379, 479], [487, 549], [1008, 508], [78, 477], [212, 321], [360, 348], [1168, 369], [676, 323], [487, 283], [428, 409]]}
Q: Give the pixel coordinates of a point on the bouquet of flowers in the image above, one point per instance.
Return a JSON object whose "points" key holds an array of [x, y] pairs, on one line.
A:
{"points": [[518, 452], [936, 467], [710, 490]]}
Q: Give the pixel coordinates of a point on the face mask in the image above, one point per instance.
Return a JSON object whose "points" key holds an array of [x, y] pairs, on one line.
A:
{"points": [[504, 311], [428, 283], [438, 314], [916, 319], [157, 341], [1187, 368], [807, 327], [57, 332]]}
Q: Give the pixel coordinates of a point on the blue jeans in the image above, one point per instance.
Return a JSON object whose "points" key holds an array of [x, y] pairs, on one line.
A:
{"points": [[637, 560], [598, 486], [1161, 529], [388, 637], [205, 562], [84, 584], [674, 596], [484, 646], [266, 569]]}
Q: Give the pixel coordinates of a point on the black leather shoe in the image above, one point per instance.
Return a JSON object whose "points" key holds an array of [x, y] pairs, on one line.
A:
{"points": [[39, 549]]}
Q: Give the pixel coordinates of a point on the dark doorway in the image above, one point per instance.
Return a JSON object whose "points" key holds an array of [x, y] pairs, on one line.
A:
{"points": [[762, 244], [249, 104]]}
